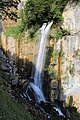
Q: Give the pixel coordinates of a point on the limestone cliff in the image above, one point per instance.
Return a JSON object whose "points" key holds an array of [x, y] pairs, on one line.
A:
{"points": [[22, 49], [71, 58]]}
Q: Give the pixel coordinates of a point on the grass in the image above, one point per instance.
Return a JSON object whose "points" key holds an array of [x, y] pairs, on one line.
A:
{"points": [[76, 116], [11, 109]]}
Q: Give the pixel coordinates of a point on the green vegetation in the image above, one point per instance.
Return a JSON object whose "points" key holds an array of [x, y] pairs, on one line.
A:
{"points": [[11, 109], [77, 116], [49, 67], [32, 32], [60, 33], [52, 72], [71, 69], [55, 56], [41, 10], [37, 12], [16, 32]]}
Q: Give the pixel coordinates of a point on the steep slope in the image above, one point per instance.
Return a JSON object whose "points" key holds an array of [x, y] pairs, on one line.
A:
{"points": [[10, 109]]}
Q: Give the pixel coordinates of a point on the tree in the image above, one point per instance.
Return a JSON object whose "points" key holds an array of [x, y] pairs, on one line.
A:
{"points": [[37, 11], [9, 8], [40, 11]]}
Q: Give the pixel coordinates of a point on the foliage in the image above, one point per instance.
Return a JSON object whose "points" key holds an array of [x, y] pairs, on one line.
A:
{"points": [[41, 10], [71, 69], [52, 73], [32, 31], [36, 12], [16, 31], [8, 8], [60, 32], [55, 56], [19, 31], [49, 66], [11, 109], [48, 56]]}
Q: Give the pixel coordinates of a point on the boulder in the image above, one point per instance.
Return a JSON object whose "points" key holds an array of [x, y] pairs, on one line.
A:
{"points": [[4, 67], [14, 82]]}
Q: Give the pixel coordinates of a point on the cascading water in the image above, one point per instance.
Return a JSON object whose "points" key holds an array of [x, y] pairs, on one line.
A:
{"points": [[36, 86], [41, 55]]}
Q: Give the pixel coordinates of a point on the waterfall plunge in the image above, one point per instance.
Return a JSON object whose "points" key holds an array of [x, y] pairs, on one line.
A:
{"points": [[41, 55], [36, 86]]}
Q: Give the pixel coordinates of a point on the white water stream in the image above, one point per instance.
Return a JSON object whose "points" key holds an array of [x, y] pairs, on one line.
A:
{"points": [[41, 55], [40, 62], [36, 86]]}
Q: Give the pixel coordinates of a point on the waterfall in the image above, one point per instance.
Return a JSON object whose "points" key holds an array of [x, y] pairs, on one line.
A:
{"points": [[41, 55], [35, 87]]}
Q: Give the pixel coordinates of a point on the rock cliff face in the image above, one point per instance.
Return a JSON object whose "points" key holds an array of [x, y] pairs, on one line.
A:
{"points": [[71, 57], [21, 49], [18, 48]]}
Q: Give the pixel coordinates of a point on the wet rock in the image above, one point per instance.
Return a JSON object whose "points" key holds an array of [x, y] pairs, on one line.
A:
{"points": [[4, 67], [12, 77], [30, 94], [24, 81], [31, 79], [11, 62], [72, 109], [46, 106], [14, 82], [54, 90], [54, 84], [15, 69]]}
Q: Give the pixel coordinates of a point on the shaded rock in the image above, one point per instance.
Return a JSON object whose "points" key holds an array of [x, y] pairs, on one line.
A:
{"points": [[11, 62], [46, 106], [14, 82], [54, 90], [12, 77], [4, 67], [54, 84], [23, 81], [16, 77], [15, 69]]}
